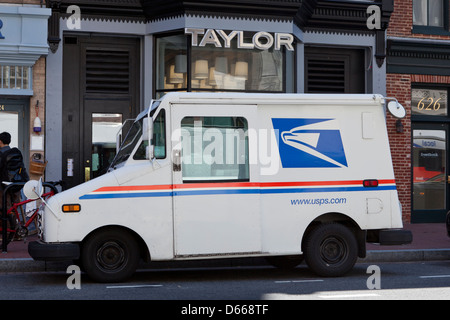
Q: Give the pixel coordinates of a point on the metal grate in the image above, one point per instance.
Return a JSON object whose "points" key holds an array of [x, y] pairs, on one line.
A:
{"points": [[107, 71], [325, 76]]}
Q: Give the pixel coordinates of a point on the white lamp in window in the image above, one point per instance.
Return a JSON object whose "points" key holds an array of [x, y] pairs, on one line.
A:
{"points": [[201, 69], [241, 69], [175, 77]]}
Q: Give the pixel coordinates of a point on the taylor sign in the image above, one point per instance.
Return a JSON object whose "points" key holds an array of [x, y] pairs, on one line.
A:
{"points": [[261, 40]]}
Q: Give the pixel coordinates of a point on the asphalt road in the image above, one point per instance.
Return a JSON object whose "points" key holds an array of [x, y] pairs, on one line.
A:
{"points": [[406, 281]]}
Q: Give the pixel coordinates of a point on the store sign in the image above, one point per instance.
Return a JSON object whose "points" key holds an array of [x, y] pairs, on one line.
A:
{"points": [[1, 26], [220, 39]]}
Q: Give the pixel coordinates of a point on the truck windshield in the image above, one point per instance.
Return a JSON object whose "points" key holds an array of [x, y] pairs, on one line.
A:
{"points": [[128, 144], [133, 136]]}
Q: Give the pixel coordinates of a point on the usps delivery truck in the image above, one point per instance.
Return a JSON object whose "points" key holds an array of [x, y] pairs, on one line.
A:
{"points": [[225, 175]]}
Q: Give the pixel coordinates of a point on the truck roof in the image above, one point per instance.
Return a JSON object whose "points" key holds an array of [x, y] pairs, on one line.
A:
{"points": [[273, 98]]}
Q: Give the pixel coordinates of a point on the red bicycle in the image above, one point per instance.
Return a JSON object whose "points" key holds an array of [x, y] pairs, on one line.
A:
{"points": [[17, 227]]}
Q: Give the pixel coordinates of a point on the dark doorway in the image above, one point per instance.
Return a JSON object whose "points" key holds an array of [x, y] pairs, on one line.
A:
{"points": [[100, 91], [334, 70]]}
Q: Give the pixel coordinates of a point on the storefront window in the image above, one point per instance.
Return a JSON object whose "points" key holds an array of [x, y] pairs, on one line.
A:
{"points": [[15, 77], [429, 102], [182, 67], [429, 167], [171, 63]]}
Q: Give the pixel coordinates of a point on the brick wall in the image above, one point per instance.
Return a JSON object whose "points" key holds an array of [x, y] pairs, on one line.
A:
{"points": [[399, 86], [401, 22], [39, 94]]}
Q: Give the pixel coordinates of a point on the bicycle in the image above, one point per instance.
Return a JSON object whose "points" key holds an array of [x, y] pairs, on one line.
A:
{"points": [[17, 228]]}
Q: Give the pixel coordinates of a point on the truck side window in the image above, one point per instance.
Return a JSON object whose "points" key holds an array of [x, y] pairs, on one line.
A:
{"points": [[159, 135], [214, 149], [159, 139]]}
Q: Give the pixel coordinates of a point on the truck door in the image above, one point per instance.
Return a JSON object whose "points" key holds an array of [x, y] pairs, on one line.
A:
{"points": [[216, 206]]}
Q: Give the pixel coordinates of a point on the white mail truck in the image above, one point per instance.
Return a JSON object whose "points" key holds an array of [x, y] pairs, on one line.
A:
{"points": [[226, 175]]}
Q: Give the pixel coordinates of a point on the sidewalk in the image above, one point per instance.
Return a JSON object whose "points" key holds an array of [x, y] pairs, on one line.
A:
{"points": [[430, 242]]}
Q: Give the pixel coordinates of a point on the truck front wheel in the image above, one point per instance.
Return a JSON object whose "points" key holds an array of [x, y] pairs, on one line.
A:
{"points": [[331, 250], [110, 255]]}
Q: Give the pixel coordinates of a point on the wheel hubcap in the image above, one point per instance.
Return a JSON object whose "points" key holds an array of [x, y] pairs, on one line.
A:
{"points": [[110, 255], [333, 250]]}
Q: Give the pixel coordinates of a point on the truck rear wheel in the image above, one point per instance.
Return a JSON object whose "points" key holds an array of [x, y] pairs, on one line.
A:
{"points": [[331, 250], [110, 255]]}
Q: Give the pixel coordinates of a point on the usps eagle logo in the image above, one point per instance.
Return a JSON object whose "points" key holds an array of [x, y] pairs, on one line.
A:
{"points": [[310, 143]]}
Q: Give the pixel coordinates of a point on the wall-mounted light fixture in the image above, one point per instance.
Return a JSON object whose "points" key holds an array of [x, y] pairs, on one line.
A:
{"points": [[399, 126]]}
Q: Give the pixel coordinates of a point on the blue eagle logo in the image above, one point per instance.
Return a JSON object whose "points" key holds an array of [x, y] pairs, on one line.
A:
{"points": [[310, 143]]}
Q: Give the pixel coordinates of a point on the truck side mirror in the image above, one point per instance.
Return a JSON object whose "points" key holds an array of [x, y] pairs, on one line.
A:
{"points": [[33, 189], [147, 128]]}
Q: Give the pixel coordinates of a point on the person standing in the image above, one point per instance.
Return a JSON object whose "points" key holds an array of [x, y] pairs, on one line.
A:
{"points": [[12, 168]]}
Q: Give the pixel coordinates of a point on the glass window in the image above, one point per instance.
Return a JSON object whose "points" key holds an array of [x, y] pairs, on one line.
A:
{"points": [[159, 135], [428, 13], [128, 144], [182, 67], [429, 178], [237, 69], [171, 63], [429, 102], [15, 77], [214, 149], [104, 131], [158, 139]]}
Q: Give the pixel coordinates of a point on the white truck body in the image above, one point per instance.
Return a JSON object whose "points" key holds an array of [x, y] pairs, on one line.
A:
{"points": [[238, 175]]}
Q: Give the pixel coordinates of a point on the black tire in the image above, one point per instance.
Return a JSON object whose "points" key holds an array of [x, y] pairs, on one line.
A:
{"points": [[110, 255], [331, 250], [285, 262]]}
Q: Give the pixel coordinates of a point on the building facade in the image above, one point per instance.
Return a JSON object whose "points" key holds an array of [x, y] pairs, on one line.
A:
{"points": [[418, 74], [23, 51]]}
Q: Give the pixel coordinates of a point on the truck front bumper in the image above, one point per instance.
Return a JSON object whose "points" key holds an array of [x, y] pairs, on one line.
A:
{"points": [[53, 251]]}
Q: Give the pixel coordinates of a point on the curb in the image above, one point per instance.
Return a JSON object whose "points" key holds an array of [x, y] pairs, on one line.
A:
{"points": [[410, 255]]}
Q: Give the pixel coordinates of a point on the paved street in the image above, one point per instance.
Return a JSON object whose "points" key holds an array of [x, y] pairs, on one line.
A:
{"points": [[421, 280]]}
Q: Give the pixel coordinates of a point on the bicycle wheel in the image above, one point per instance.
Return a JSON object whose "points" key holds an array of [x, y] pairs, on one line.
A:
{"points": [[11, 225]]}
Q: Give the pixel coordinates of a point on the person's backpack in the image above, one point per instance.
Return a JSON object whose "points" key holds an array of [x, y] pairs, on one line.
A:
{"points": [[15, 170]]}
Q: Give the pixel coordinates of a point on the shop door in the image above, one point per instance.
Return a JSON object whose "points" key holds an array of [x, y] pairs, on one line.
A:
{"points": [[12, 120], [102, 121], [430, 176], [100, 91]]}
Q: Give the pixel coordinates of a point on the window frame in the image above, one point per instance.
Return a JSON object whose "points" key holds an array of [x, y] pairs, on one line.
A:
{"points": [[215, 178], [434, 30], [158, 93], [431, 118]]}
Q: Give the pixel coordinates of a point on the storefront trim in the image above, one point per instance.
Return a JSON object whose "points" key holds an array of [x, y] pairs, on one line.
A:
{"points": [[24, 34]]}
